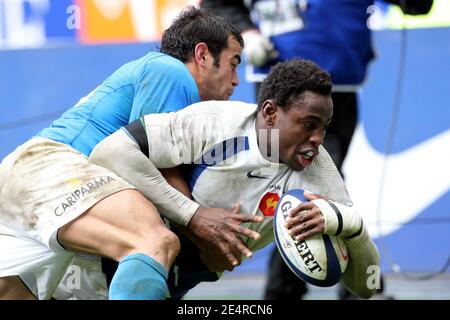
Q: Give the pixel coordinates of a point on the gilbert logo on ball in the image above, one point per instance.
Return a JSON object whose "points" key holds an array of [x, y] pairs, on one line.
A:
{"points": [[319, 260]]}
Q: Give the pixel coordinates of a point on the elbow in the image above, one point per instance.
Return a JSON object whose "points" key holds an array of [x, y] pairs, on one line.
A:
{"points": [[363, 292], [365, 282], [373, 279], [366, 294]]}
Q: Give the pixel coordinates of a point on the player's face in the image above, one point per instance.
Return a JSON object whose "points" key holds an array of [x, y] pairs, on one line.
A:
{"points": [[302, 129], [220, 81]]}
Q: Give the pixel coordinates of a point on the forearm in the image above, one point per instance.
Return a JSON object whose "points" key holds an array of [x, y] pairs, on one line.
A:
{"points": [[362, 275], [362, 270], [174, 177], [340, 220], [122, 155]]}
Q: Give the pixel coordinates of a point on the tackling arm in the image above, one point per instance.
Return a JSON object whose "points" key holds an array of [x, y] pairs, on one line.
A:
{"points": [[141, 172]]}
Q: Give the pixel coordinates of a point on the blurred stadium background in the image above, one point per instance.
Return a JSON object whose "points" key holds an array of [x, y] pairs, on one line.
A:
{"points": [[53, 52]]}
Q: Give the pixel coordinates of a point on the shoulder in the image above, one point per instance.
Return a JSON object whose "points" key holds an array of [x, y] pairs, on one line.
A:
{"points": [[221, 109], [218, 118], [165, 73], [209, 115], [163, 65]]}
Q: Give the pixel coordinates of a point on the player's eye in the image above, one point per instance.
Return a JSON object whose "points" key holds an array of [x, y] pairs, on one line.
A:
{"points": [[309, 125]]}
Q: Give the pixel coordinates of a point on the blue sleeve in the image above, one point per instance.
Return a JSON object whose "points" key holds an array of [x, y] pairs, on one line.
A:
{"points": [[162, 87]]}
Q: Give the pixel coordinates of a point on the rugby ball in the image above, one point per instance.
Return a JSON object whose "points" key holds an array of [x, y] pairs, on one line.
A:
{"points": [[319, 260]]}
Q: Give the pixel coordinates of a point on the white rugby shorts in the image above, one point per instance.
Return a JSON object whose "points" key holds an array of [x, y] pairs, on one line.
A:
{"points": [[43, 186]]}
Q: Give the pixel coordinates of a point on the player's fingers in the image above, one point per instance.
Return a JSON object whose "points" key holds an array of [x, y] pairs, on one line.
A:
{"points": [[234, 250], [237, 244], [308, 233], [230, 268], [228, 253], [235, 211], [231, 258], [315, 224], [299, 218], [236, 253], [299, 229], [248, 218], [302, 217], [305, 206], [245, 231]]}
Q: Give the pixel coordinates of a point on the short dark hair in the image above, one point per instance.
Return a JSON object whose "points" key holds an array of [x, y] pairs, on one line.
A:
{"points": [[290, 79], [195, 25]]}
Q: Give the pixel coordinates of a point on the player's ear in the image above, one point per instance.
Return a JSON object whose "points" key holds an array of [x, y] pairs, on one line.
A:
{"points": [[201, 52], [269, 112]]}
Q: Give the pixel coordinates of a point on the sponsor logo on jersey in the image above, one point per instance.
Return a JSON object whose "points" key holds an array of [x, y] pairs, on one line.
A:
{"points": [[80, 192], [268, 203]]}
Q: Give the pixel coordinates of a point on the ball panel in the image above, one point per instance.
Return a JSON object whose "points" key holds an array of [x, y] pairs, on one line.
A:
{"points": [[333, 271]]}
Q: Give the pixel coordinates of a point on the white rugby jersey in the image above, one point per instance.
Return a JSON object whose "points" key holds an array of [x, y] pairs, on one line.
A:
{"points": [[218, 140]]}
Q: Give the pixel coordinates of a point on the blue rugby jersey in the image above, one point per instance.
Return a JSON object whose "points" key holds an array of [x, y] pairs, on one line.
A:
{"points": [[152, 84]]}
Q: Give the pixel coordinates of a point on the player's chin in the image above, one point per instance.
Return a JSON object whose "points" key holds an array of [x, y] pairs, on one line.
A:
{"points": [[222, 97], [295, 165], [228, 95]]}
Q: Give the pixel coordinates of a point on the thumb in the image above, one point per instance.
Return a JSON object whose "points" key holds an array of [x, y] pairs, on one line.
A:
{"points": [[236, 208]]}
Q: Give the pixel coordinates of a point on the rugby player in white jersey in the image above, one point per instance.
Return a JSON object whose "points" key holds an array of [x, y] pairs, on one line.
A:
{"points": [[247, 154]]}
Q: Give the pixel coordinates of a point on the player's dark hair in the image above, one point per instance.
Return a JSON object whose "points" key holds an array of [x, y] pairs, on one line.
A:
{"points": [[194, 25], [288, 80]]}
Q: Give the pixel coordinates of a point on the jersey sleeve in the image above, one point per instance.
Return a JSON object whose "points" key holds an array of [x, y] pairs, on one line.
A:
{"points": [[184, 137], [162, 87]]}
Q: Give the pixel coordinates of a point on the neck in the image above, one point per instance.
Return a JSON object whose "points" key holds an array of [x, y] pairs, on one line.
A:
{"points": [[195, 72]]}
